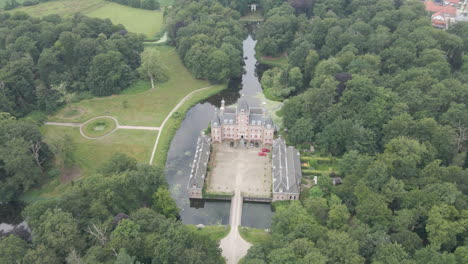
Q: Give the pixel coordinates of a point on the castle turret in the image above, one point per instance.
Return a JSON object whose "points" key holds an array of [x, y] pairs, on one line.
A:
{"points": [[222, 106]]}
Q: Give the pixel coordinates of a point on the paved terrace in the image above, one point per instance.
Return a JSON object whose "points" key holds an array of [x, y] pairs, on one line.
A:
{"points": [[229, 164]]}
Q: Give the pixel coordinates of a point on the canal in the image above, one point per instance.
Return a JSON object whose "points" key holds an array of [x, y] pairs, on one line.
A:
{"points": [[183, 145]]}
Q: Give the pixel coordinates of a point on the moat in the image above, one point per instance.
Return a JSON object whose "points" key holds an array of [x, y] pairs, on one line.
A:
{"points": [[181, 152]]}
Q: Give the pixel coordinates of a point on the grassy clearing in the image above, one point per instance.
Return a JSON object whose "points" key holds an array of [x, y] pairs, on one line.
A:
{"points": [[143, 106], [62, 7], [90, 155], [217, 232], [135, 20], [315, 165], [253, 16], [254, 235], [171, 126], [99, 127], [281, 61]]}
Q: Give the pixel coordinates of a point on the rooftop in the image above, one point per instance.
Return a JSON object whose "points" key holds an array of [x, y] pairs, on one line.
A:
{"points": [[286, 168], [200, 162], [433, 7]]}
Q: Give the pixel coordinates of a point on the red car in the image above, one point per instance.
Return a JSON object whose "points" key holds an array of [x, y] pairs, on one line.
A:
{"points": [[262, 154], [265, 150]]}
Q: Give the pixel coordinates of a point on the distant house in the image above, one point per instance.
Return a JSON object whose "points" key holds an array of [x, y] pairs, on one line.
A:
{"points": [[286, 171], [199, 167], [442, 15], [462, 17], [454, 3]]}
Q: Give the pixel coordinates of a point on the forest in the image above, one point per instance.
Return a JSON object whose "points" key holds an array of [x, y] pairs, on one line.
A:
{"points": [[374, 83], [208, 38], [368, 81], [45, 62]]}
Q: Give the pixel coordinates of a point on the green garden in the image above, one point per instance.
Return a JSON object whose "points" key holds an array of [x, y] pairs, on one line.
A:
{"points": [[135, 20], [138, 105]]}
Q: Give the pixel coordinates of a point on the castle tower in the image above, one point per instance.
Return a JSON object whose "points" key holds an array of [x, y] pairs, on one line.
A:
{"points": [[222, 106]]}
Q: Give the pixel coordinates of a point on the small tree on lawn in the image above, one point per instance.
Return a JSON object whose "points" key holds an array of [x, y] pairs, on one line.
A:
{"points": [[152, 67]]}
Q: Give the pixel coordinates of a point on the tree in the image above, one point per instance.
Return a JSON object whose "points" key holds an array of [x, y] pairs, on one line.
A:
{"points": [[41, 255], [127, 236], [152, 68], [124, 258], [164, 204], [118, 163], [391, 253], [340, 248], [108, 74], [12, 249], [443, 226], [338, 216], [58, 231], [150, 4]]}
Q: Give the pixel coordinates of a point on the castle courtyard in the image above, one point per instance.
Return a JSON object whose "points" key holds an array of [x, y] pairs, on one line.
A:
{"points": [[239, 167]]}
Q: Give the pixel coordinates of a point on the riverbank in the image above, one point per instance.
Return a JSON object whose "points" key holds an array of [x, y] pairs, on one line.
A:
{"points": [[174, 122]]}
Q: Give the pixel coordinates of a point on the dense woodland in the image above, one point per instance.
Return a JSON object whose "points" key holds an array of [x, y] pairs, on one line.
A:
{"points": [[45, 62], [121, 215], [208, 38], [369, 81], [388, 93]]}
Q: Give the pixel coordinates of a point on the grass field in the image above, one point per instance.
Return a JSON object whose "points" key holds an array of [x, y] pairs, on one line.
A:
{"points": [[135, 20], [144, 106], [214, 232], [254, 235], [90, 155], [99, 127]]}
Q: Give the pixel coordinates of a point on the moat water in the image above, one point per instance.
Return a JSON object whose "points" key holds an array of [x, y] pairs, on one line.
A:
{"points": [[183, 145]]}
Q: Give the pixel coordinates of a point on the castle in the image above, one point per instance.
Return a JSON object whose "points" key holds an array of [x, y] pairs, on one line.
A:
{"points": [[243, 122]]}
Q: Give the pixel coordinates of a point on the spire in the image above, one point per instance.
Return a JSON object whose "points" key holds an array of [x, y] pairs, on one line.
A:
{"points": [[222, 106], [243, 106]]}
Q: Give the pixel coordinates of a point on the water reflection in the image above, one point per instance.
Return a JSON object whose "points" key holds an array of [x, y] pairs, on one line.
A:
{"points": [[183, 145]]}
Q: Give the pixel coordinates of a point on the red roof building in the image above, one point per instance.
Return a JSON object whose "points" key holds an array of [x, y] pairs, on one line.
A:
{"points": [[442, 14]]}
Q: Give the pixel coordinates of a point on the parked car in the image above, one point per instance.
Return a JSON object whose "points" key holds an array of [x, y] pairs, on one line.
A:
{"points": [[256, 144], [262, 154], [265, 150], [251, 144]]}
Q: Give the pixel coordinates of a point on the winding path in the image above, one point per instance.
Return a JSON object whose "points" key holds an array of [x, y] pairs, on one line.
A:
{"points": [[169, 116], [118, 126]]}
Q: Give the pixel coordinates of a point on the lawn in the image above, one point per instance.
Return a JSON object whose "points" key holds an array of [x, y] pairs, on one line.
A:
{"points": [[141, 105], [99, 127], [214, 232], [90, 155], [135, 20], [254, 235]]}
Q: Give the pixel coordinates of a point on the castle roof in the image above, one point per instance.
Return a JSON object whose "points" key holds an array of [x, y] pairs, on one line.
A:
{"points": [[286, 167], [200, 163], [228, 116], [242, 105]]}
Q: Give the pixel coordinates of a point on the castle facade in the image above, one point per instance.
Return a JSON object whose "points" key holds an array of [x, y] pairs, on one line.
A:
{"points": [[243, 122]]}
